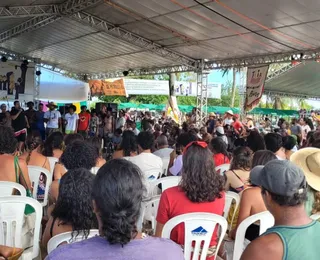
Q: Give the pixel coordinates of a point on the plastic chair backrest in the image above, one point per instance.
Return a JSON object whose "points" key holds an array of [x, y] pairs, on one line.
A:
{"points": [[66, 237], [315, 216], [165, 164], [230, 197], [199, 227], [149, 211], [94, 170], [7, 188], [266, 221], [152, 175], [52, 162], [34, 175], [166, 183], [221, 169], [12, 219]]}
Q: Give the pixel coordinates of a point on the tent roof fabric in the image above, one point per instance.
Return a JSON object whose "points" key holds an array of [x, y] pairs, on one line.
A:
{"points": [[301, 80], [181, 26]]}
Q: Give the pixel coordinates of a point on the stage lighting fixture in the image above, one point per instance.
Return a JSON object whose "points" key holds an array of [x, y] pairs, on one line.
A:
{"points": [[125, 73], [4, 59], [38, 72]]}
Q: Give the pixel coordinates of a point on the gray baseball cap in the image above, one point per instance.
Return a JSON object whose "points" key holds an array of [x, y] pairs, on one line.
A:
{"points": [[280, 177]]}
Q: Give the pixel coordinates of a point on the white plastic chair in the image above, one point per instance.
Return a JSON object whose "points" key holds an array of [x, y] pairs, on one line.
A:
{"points": [[165, 164], [34, 175], [152, 175], [230, 197], [199, 227], [12, 218], [149, 211], [94, 170], [266, 221], [66, 237], [166, 183], [315, 216], [221, 169], [7, 188], [52, 163]]}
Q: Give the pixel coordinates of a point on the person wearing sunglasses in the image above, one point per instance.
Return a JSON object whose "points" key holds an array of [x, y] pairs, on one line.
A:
{"points": [[200, 190]]}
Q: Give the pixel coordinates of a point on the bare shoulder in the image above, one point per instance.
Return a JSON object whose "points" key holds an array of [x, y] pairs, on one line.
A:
{"points": [[264, 248]]}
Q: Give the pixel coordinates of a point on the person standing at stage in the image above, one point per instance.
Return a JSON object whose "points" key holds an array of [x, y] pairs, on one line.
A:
{"points": [[84, 122], [121, 121], [19, 124], [72, 120], [40, 122], [5, 118], [31, 115], [52, 118], [108, 121]]}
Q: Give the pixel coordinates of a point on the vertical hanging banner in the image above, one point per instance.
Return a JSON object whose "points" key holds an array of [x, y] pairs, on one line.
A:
{"points": [[108, 87], [256, 77]]}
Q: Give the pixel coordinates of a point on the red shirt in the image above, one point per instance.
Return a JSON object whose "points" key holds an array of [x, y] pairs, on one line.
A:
{"points": [[174, 202], [84, 119], [237, 125], [220, 159]]}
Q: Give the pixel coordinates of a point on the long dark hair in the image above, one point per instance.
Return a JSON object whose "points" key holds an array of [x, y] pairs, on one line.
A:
{"points": [[255, 141], [217, 146], [96, 142], [262, 157], [74, 204], [199, 180], [118, 192], [128, 143], [54, 141], [241, 159], [33, 142]]}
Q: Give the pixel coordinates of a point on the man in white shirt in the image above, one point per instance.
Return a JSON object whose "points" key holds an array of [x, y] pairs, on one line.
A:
{"points": [[163, 151], [72, 120], [163, 147], [52, 118], [121, 121], [228, 118], [149, 164], [133, 127]]}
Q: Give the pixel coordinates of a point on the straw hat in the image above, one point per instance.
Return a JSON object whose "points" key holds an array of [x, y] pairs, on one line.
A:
{"points": [[212, 114], [50, 104], [230, 112], [308, 159], [249, 117]]}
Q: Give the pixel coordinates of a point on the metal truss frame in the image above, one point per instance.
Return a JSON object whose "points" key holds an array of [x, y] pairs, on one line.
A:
{"points": [[139, 72], [202, 96], [280, 71], [36, 89], [66, 8], [133, 38], [263, 59], [28, 11]]}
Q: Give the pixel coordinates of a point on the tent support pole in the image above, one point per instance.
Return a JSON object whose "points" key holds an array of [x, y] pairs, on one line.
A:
{"points": [[202, 95], [36, 89]]}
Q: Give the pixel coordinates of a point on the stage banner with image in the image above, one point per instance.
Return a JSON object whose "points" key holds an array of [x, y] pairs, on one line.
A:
{"points": [[17, 80], [256, 77], [107, 87]]}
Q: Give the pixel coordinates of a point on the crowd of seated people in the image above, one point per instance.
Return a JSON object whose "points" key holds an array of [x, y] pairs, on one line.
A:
{"points": [[272, 171]]}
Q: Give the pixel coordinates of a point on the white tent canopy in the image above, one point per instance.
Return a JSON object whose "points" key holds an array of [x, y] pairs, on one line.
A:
{"points": [[55, 87], [303, 80], [111, 36]]}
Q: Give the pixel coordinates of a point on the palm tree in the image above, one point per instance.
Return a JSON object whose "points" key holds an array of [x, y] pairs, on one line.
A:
{"points": [[234, 83]]}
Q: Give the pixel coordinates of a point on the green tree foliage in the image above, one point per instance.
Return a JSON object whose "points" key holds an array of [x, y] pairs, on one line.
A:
{"points": [[226, 94]]}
